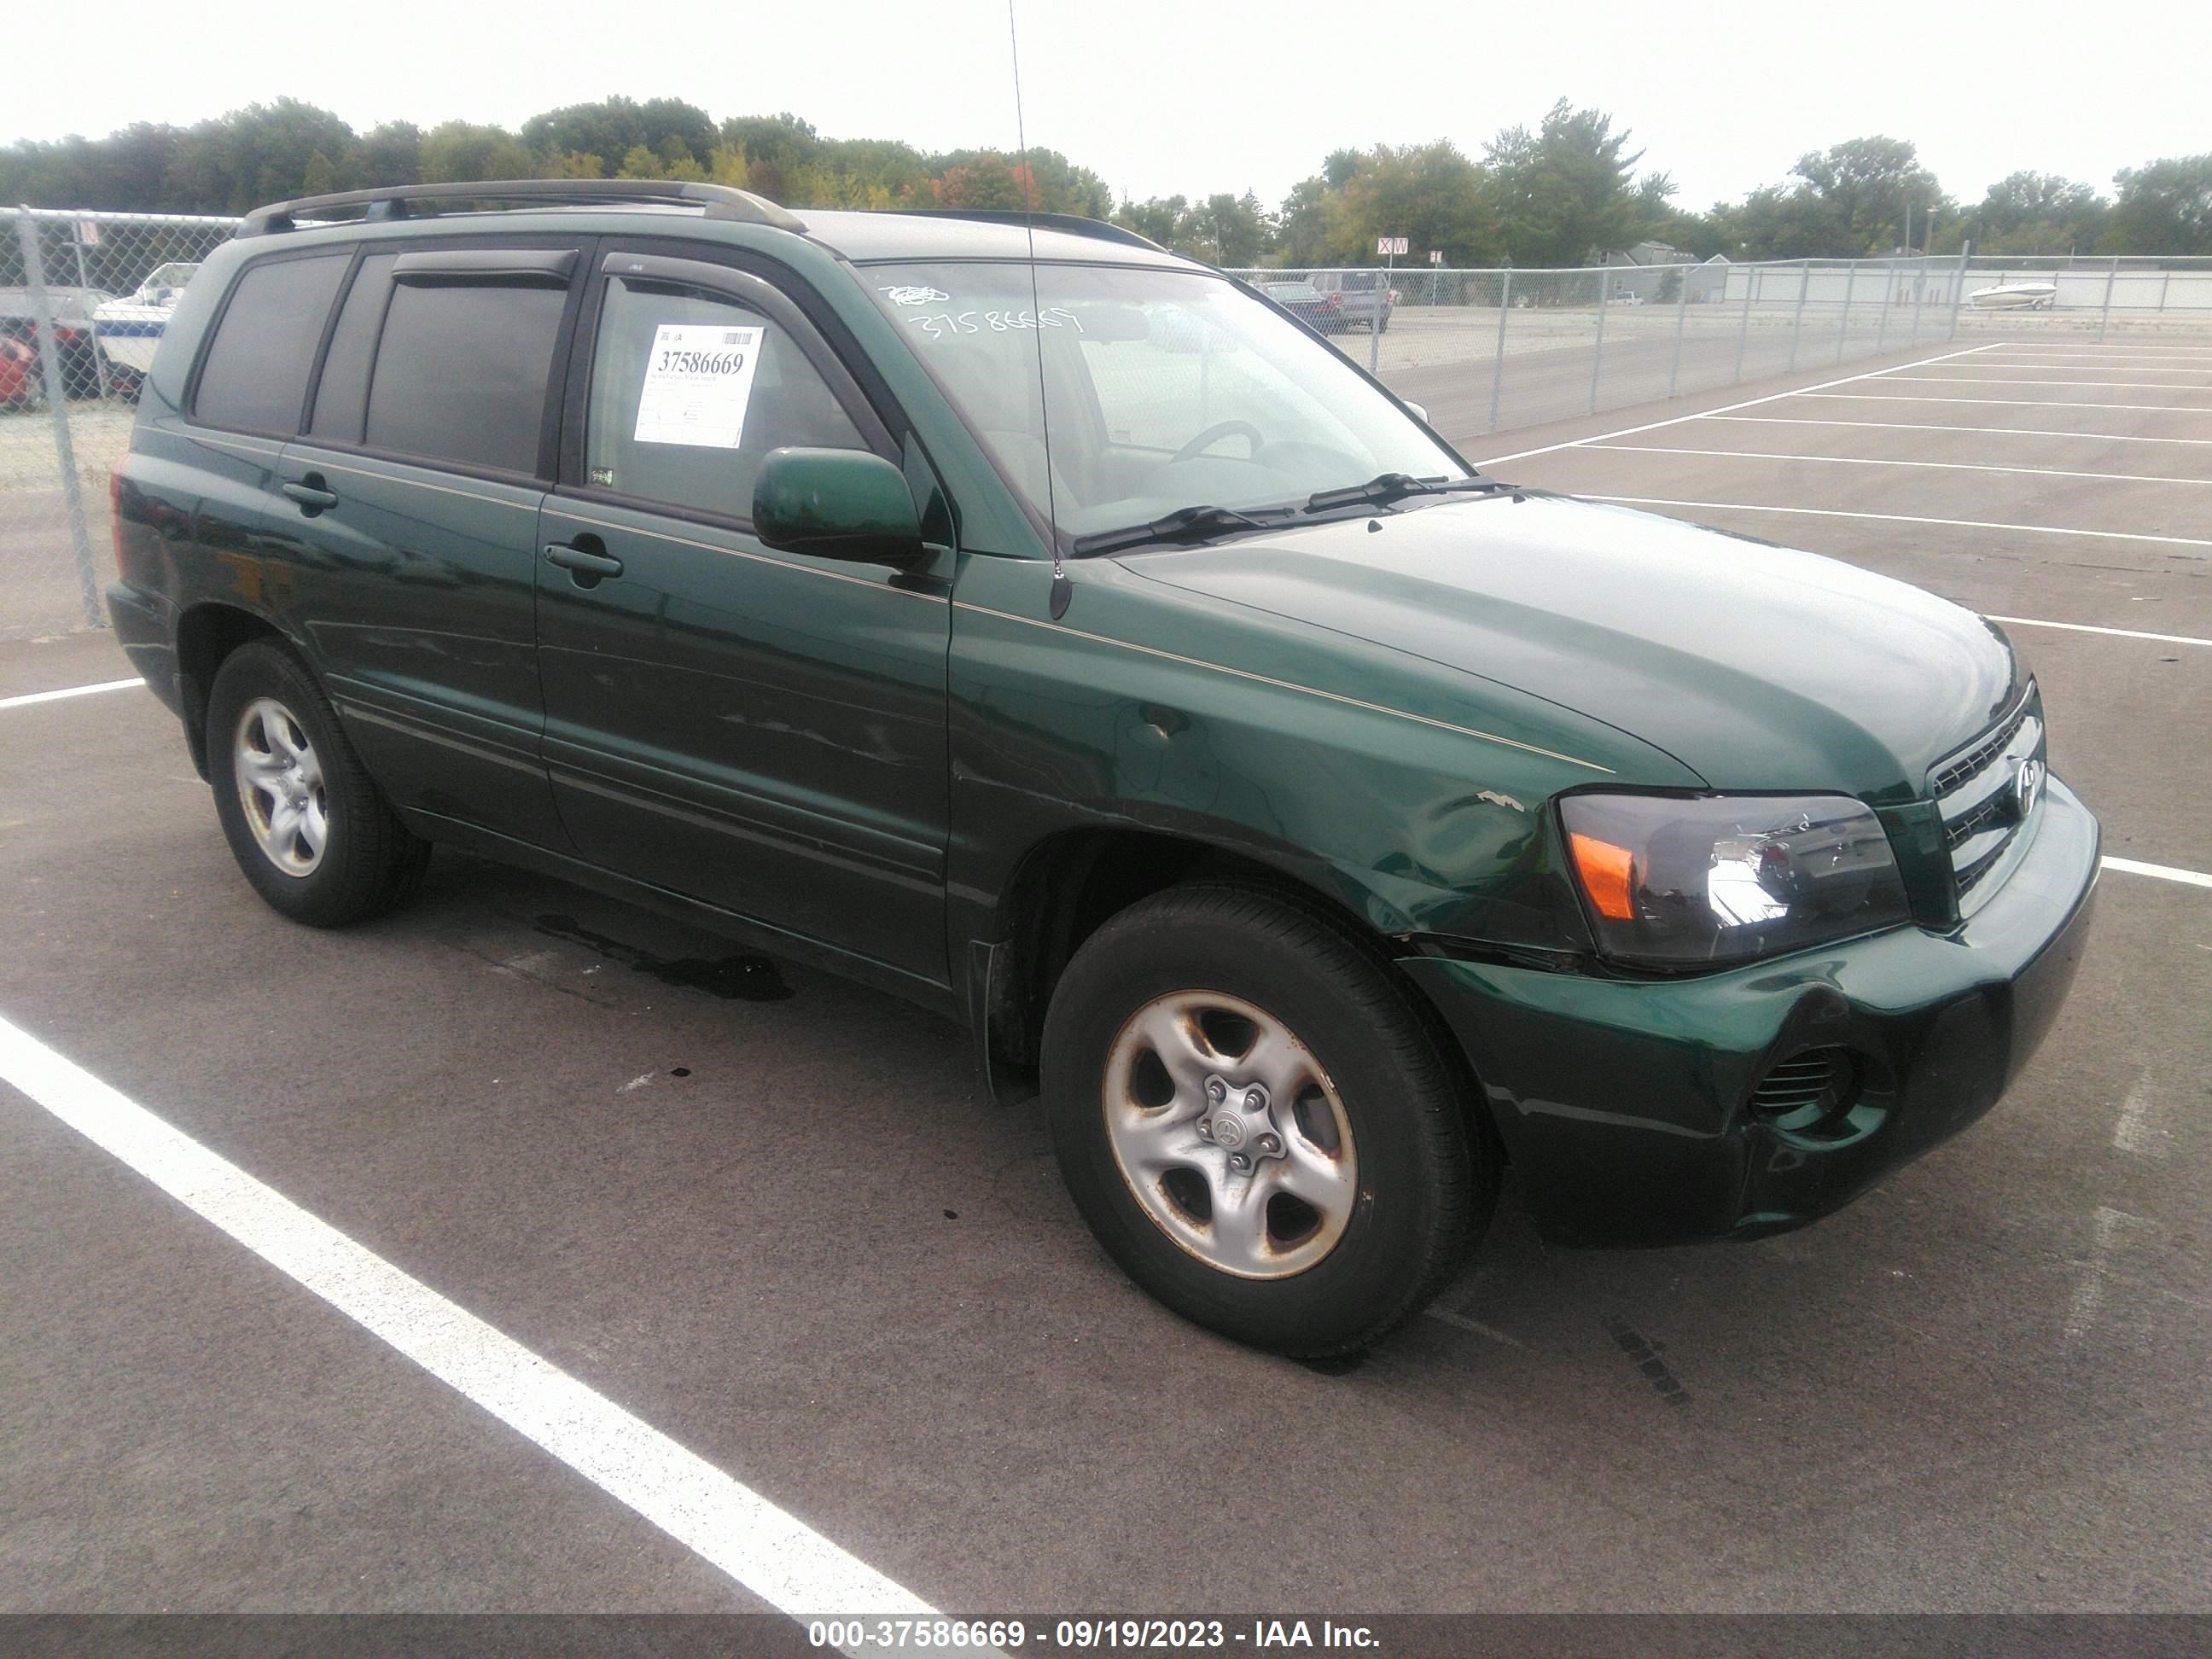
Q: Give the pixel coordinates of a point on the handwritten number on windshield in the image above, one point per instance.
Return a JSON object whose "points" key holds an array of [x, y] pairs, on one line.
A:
{"points": [[939, 325]]}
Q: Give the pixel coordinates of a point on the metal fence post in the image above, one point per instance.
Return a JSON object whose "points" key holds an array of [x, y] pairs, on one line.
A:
{"points": [[50, 362], [1881, 328], [1959, 287], [1850, 291], [1743, 328], [2165, 288], [1682, 317], [1498, 367], [1597, 350], [1919, 296], [2112, 275], [1797, 323]]}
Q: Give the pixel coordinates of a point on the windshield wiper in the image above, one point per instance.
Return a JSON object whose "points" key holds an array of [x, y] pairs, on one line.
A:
{"points": [[1184, 523], [1396, 486]]}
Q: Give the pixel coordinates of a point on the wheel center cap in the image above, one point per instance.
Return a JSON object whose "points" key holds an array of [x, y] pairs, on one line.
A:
{"points": [[1228, 1130]]}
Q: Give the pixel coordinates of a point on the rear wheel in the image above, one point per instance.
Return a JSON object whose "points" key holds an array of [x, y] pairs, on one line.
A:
{"points": [[1257, 1124], [309, 829]]}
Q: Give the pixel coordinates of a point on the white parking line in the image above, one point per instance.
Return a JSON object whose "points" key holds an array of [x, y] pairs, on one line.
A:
{"points": [[771, 1552], [30, 698], [2084, 627], [2163, 872], [1905, 518], [1707, 414], [1865, 460], [1993, 379], [1929, 426], [2086, 366], [2020, 402]]}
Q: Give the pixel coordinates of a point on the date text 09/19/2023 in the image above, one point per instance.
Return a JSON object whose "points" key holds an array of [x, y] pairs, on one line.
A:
{"points": [[1079, 1635]]}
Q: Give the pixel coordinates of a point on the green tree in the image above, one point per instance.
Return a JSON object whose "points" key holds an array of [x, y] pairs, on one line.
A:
{"points": [[1430, 194], [2164, 207], [462, 151], [1562, 194], [1231, 231], [256, 155], [1859, 193], [389, 155], [1160, 218], [1301, 226]]}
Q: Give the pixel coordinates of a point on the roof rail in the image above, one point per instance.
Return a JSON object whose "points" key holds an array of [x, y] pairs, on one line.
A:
{"points": [[390, 202], [1073, 223]]}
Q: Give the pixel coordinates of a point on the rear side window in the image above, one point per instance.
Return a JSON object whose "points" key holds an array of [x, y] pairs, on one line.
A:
{"points": [[341, 396], [257, 368], [461, 371]]}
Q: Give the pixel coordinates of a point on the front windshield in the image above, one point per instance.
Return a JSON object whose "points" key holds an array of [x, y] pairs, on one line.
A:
{"points": [[1164, 390]]}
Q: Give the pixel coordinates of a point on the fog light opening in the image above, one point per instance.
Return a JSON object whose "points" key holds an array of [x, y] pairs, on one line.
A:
{"points": [[1813, 1095]]}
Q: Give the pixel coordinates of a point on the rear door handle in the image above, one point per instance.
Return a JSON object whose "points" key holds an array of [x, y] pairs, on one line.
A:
{"points": [[311, 495], [582, 560]]}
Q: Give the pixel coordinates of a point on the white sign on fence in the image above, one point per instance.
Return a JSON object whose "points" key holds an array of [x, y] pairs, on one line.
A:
{"points": [[1435, 255], [1390, 244]]}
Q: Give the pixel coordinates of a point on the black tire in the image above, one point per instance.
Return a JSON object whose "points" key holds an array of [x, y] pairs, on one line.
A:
{"points": [[368, 863], [1424, 1185]]}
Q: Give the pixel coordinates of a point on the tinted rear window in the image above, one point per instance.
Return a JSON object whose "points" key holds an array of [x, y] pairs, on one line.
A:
{"points": [[255, 374], [461, 372]]}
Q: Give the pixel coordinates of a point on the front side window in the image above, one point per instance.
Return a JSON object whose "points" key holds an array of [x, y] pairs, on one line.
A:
{"points": [[461, 371], [257, 368], [690, 391], [1113, 396]]}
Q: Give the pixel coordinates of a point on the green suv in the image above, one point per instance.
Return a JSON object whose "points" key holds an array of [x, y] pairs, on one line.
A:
{"points": [[1056, 633]]}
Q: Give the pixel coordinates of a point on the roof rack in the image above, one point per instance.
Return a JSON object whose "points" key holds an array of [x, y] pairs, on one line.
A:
{"points": [[390, 202], [1073, 223]]}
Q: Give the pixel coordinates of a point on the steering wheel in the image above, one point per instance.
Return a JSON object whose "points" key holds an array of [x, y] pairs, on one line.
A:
{"points": [[1214, 433]]}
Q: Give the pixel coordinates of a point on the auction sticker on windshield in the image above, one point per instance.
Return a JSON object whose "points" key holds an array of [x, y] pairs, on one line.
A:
{"points": [[697, 383]]}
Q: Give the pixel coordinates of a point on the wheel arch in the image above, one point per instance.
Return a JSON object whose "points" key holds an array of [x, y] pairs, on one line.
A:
{"points": [[1068, 884], [206, 635]]}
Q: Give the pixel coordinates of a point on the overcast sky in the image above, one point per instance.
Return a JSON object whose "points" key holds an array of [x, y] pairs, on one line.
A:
{"points": [[1194, 96]]}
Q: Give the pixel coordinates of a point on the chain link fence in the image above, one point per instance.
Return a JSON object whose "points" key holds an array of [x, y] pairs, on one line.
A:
{"points": [[83, 297], [1485, 350]]}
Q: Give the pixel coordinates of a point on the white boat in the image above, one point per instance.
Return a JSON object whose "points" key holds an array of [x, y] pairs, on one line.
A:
{"points": [[2015, 296], [129, 330]]}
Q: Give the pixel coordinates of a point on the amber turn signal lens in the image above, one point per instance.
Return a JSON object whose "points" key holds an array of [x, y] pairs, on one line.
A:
{"points": [[1608, 876]]}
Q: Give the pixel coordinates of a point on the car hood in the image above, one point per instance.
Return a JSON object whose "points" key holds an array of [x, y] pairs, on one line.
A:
{"points": [[1757, 666]]}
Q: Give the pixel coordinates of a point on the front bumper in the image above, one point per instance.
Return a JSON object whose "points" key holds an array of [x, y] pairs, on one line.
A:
{"points": [[1624, 1105]]}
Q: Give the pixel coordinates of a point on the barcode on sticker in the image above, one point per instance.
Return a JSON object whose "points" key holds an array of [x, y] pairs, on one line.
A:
{"points": [[734, 337]]}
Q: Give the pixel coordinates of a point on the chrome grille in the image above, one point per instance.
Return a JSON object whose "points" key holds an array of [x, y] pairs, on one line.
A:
{"points": [[1974, 790]]}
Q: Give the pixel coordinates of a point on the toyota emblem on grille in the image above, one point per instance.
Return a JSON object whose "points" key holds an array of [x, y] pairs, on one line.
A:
{"points": [[2026, 788]]}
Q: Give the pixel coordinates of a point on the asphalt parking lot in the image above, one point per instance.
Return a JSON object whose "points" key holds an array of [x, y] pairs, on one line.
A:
{"points": [[763, 1219]]}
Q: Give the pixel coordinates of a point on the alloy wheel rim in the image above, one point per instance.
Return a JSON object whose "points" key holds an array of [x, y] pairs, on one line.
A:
{"points": [[1230, 1134], [281, 787]]}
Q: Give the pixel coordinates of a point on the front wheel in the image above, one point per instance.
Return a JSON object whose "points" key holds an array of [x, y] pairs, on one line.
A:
{"points": [[308, 828], [1256, 1122]]}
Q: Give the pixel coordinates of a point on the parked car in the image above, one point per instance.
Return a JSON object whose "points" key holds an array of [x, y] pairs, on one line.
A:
{"points": [[1322, 312], [1364, 298], [71, 309], [1052, 634], [18, 371]]}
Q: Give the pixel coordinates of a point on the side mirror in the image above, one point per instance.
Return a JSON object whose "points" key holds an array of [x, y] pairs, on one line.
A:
{"points": [[1419, 413], [837, 504]]}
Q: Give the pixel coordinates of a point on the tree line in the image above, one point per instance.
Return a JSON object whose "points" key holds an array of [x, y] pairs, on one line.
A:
{"points": [[1564, 193]]}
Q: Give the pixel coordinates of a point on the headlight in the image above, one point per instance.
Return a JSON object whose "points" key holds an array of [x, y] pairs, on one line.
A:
{"points": [[1675, 881]]}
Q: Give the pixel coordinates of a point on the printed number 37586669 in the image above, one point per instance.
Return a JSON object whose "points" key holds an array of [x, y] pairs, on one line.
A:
{"points": [[700, 363]]}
